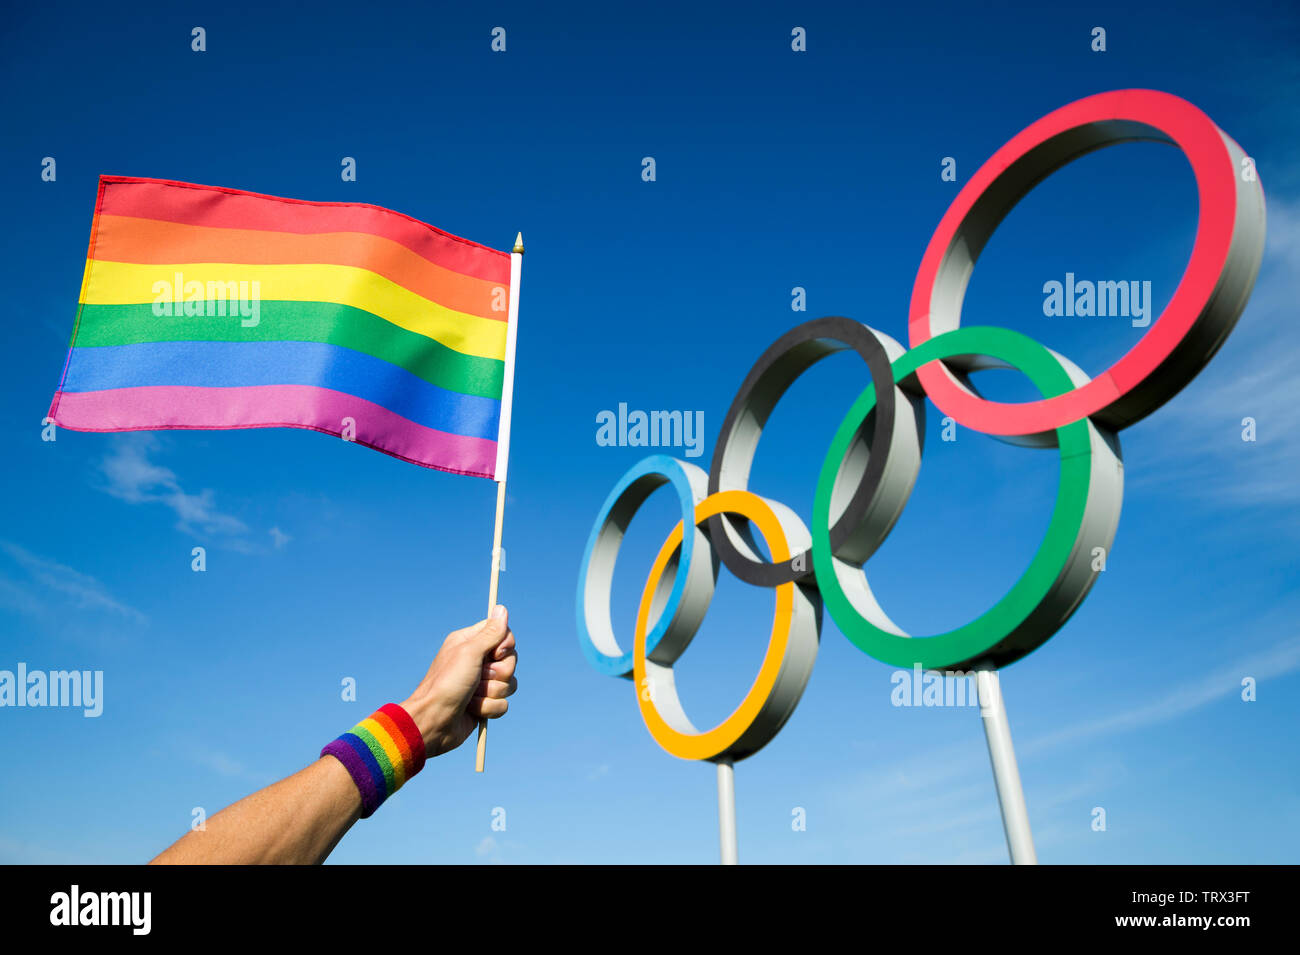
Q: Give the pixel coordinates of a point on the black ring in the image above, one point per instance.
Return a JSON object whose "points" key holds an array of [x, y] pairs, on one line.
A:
{"points": [[776, 369]]}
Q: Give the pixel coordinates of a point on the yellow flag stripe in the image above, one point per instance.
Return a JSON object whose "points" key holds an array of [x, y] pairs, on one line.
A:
{"points": [[126, 283]]}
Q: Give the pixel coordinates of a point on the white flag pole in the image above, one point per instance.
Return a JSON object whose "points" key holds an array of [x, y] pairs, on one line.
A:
{"points": [[1006, 774], [503, 451], [727, 812]]}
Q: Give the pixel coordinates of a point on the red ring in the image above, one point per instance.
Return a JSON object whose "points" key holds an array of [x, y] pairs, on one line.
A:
{"points": [[1205, 146]]}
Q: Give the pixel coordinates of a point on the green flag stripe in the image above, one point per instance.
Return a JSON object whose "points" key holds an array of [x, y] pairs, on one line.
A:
{"points": [[324, 322]]}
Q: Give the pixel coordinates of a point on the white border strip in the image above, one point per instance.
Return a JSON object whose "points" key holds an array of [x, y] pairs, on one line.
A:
{"points": [[508, 384]]}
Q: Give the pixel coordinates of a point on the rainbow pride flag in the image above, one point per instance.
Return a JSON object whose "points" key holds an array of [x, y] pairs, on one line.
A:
{"points": [[204, 307]]}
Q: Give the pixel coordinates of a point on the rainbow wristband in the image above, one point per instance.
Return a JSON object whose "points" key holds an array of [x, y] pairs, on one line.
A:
{"points": [[381, 752]]}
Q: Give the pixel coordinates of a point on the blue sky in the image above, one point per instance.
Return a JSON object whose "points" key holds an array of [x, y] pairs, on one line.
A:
{"points": [[775, 169]]}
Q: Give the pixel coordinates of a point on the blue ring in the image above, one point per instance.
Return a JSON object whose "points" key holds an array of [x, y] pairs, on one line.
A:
{"points": [[641, 481]]}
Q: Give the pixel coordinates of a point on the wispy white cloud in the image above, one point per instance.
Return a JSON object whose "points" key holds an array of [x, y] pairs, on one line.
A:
{"points": [[53, 580], [1195, 442], [21, 852], [492, 852], [210, 759], [1278, 660], [278, 537], [220, 763], [946, 792], [132, 477], [16, 597]]}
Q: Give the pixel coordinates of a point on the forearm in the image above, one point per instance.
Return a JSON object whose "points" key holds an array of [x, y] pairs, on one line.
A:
{"points": [[300, 820], [296, 821]]}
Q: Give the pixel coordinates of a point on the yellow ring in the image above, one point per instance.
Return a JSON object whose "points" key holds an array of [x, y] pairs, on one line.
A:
{"points": [[716, 741]]}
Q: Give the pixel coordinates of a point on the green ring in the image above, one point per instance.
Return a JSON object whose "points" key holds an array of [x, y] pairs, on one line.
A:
{"points": [[978, 640]]}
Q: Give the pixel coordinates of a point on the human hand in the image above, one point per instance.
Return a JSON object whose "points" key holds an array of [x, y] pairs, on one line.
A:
{"points": [[469, 679]]}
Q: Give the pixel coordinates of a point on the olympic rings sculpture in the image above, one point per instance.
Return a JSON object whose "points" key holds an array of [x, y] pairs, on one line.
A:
{"points": [[872, 463]]}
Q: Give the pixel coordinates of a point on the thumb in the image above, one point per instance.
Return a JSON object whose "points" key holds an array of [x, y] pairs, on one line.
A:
{"points": [[492, 630]]}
